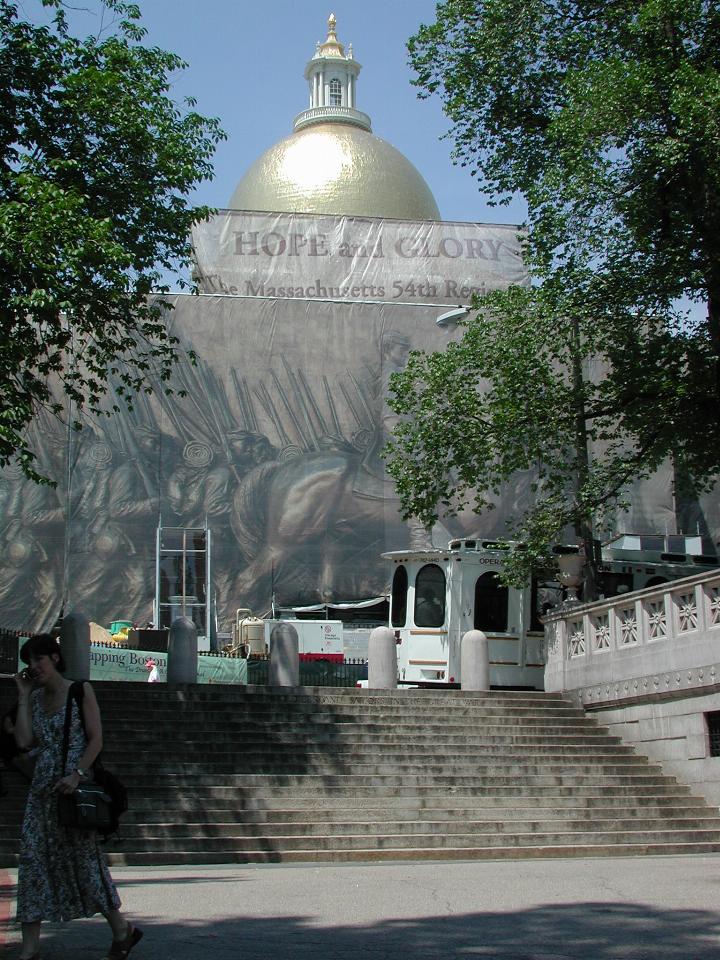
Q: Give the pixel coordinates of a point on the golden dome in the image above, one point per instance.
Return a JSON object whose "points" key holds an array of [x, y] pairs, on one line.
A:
{"points": [[336, 168], [333, 163]]}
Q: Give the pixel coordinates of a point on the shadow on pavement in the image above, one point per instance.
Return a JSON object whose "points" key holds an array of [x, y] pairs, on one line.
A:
{"points": [[572, 931]]}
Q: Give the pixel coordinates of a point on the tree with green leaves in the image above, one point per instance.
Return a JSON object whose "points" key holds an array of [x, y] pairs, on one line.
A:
{"points": [[605, 116], [537, 388], [97, 164]]}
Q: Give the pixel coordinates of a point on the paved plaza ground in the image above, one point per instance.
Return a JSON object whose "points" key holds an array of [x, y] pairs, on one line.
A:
{"points": [[643, 908]]}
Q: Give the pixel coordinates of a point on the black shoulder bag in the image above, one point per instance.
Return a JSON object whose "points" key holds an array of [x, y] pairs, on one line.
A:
{"points": [[93, 806]]}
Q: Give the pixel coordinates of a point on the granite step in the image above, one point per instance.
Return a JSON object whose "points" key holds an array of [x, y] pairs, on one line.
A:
{"points": [[430, 840], [212, 735], [458, 770], [475, 746], [321, 696], [473, 779], [369, 855], [239, 806], [410, 827], [237, 849], [254, 774]]}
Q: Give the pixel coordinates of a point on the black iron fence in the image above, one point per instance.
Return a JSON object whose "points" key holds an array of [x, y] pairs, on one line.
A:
{"points": [[313, 673], [9, 650]]}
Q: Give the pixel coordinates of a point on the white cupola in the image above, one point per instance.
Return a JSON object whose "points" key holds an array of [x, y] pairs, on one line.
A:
{"points": [[332, 77]]}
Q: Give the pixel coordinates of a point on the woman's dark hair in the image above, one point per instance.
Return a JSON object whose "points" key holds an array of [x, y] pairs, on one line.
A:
{"points": [[42, 644]]}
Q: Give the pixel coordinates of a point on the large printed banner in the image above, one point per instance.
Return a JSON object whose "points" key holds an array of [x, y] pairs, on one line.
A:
{"points": [[350, 258], [276, 445], [273, 438], [122, 663], [107, 663]]}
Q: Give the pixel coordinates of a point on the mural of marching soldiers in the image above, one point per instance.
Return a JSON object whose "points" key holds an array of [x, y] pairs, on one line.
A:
{"points": [[276, 445]]}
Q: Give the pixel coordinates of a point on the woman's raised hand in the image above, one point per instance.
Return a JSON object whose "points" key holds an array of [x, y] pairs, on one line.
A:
{"points": [[24, 682]]}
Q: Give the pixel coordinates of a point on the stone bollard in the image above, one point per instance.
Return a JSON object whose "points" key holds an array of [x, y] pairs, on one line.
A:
{"points": [[182, 655], [382, 659], [284, 656], [474, 661], [75, 645]]}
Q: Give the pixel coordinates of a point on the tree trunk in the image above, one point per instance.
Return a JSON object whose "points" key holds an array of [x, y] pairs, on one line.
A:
{"points": [[714, 332], [583, 522]]}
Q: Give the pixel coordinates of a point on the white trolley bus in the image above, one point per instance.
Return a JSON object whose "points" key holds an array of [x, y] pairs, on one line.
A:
{"points": [[438, 595]]}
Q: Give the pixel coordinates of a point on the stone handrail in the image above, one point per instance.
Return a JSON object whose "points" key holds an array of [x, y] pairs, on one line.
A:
{"points": [[662, 641]]}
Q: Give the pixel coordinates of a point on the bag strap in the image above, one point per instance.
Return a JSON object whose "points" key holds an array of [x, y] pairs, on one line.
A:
{"points": [[76, 693]]}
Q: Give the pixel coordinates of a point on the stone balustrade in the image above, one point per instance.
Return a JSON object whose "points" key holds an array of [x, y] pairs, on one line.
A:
{"points": [[329, 113], [648, 664], [653, 641]]}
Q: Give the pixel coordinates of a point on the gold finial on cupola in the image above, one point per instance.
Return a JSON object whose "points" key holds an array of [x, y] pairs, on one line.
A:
{"points": [[332, 46]]}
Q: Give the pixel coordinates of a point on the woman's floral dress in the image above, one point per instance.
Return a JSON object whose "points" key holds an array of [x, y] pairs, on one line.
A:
{"points": [[63, 874]]}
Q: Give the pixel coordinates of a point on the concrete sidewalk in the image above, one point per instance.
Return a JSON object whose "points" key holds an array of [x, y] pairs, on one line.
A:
{"points": [[652, 908]]}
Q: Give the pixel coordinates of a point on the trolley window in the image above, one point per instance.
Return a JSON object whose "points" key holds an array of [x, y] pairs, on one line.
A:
{"points": [[491, 603], [430, 596], [399, 597]]}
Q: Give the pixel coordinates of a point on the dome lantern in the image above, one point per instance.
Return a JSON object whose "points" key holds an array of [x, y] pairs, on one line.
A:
{"points": [[332, 77]]}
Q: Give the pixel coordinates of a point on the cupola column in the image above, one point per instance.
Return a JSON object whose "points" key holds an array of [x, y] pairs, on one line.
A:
{"points": [[331, 77]]}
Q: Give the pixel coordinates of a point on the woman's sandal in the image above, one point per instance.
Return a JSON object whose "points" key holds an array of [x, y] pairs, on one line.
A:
{"points": [[119, 949]]}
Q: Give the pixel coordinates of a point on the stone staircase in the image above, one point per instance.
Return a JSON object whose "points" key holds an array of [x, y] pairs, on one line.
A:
{"points": [[221, 774]]}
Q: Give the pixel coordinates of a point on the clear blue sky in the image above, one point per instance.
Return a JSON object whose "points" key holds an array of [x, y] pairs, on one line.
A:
{"points": [[246, 67]]}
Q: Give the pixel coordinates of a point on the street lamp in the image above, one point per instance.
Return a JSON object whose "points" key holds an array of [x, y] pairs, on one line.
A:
{"points": [[450, 318]]}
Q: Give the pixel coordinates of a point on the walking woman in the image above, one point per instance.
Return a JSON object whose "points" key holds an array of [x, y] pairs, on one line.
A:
{"points": [[63, 874]]}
